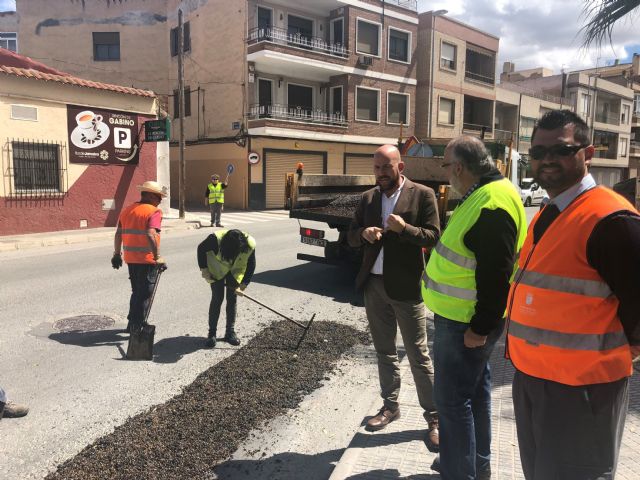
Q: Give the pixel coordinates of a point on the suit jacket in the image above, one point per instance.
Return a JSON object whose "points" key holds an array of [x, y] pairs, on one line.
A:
{"points": [[403, 261]]}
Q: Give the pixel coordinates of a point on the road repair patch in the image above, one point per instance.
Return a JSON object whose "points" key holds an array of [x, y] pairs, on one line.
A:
{"points": [[186, 437]]}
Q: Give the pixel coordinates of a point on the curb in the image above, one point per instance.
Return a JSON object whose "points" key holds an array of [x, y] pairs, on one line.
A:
{"points": [[57, 239]]}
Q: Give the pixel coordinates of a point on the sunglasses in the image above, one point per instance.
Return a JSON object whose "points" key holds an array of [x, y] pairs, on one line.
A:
{"points": [[539, 152]]}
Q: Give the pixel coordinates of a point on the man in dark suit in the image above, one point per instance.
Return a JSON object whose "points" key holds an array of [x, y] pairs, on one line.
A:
{"points": [[393, 222]]}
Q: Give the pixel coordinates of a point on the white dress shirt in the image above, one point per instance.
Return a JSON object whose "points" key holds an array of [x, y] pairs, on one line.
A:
{"points": [[388, 205]]}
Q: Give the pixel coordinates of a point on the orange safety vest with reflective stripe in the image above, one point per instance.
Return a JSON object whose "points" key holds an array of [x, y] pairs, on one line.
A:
{"points": [[563, 317], [135, 243]]}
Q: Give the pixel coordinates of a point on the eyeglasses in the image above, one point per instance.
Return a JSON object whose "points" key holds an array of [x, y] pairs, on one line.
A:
{"points": [[539, 152]]}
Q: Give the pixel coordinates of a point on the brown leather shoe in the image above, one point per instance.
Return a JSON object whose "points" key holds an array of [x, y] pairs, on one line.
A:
{"points": [[432, 438], [382, 419]]}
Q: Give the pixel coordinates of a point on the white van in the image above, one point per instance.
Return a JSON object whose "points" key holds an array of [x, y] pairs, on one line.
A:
{"points": [[531, 193]]}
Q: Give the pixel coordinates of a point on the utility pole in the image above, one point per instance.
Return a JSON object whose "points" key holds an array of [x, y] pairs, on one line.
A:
{"points": [[182, 175]]}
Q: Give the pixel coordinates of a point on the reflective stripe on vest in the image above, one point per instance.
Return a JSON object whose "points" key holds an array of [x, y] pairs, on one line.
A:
{"points": [[216, 193], [135, 242], [449, 283], [219, 268], [577, 286], [563, 320]]}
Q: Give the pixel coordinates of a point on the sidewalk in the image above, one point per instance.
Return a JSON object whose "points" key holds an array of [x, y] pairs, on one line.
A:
{"points": [[8, 243], [398, 452]]}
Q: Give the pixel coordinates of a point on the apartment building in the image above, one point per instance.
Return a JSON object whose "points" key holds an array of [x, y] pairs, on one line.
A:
{"points": [[9, 31], [456, 79], [606, 106], [267, 83]]}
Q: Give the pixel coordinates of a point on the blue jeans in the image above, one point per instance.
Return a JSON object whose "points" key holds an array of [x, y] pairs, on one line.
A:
{"points": [[462, 394]]}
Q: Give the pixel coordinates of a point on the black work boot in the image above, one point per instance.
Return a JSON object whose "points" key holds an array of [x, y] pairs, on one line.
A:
{"points": [[211, 342], [231, 338]]}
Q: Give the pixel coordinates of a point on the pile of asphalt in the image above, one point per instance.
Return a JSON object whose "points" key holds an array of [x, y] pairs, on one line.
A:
{"points": [[343, 206], [186, 437]]}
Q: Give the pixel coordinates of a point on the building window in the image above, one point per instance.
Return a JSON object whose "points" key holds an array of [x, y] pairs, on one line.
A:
{"points": [[399, 45], [636, 104], [626, 110], [337, 31], [623, 147], [398, 108], [335, 101], [448, 56], [446, 111], [187, 103], [368, 38], [585, 107], [36, 166], [106, 46], [9, 40], [526, 128], [367, 104], [186, 47]]}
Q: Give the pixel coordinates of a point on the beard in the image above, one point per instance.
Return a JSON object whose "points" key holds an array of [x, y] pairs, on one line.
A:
{"points": [[557, 177], [387, 184], [455, 185]]}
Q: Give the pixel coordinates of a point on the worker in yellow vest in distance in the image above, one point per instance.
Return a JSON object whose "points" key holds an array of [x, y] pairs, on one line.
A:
{"points": [[214, 197]]}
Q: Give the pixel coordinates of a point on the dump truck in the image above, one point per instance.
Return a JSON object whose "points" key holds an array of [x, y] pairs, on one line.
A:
{"points": [[333, 199]]}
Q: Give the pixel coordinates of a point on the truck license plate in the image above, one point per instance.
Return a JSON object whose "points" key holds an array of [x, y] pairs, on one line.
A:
{"points": [[319, 242]]}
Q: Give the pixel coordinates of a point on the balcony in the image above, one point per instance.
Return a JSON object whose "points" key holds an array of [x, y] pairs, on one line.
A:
{"points": [[281, 36], [296, 114], [480, 67], [608, 118], [478, 77], [634, 148], [483, 131], [503, 135]]}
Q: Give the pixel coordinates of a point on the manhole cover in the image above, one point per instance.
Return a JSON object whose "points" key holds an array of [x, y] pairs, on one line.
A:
{"points": [[83, 323]]}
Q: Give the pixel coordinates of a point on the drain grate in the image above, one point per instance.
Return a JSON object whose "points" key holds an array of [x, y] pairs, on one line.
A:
{"points": [[83, 323]]}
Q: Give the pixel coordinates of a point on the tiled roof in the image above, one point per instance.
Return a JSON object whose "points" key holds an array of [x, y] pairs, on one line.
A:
{"points": [[13, 64]]}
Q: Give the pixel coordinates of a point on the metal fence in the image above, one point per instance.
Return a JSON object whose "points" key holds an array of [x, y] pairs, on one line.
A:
{"points": [[36, 169], [284, 37], [609, 118], [288, 112], [478, 77]]}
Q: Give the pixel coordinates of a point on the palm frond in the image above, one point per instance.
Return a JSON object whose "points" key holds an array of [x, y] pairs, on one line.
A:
{"points": [[601, 17]]}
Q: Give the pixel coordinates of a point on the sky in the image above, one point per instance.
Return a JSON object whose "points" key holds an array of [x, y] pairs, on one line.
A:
{"points": [[541, 33], [533, 33]]}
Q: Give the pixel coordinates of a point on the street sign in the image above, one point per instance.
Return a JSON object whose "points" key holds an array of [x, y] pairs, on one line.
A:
{"points": [[253, 158], [157, 130], [230, 169]]}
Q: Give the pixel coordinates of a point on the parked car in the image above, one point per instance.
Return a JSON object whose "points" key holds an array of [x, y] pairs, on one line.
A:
{"points": [[531, 193]]}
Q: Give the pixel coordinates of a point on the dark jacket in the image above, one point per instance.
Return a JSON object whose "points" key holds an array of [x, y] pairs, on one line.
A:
{"points": [[403, 263]]}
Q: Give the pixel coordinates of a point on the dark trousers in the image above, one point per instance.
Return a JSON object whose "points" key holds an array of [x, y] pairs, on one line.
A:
{"points": [[143, 277], [217, 297], [216, 212], [462, 392], [566, 432]]}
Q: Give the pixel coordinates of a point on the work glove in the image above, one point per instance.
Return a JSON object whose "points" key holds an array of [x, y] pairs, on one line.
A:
{"points": [[240, 289], [206, 274], [161, 264], [116, 261]]}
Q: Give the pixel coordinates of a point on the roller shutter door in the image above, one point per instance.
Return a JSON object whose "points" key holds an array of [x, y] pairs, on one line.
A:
{"points": [[357, 165], [278, 164]]}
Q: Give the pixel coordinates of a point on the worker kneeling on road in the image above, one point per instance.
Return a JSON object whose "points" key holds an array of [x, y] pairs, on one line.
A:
{"points": [[226, 258]]}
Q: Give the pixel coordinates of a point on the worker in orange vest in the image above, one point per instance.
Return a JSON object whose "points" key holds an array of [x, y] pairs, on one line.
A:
{"points": [[138, 236], [573, 312]]}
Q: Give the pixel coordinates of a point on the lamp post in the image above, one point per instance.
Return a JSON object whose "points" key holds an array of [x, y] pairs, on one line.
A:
{"points": [[435, 14]]}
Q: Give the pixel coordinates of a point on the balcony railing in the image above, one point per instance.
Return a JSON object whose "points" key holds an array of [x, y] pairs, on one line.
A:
{"points": [[476, 128], [287, 112], [408, 4], [634, 147], [504, 135], [610, 118], [283, 37], [478, 77]]}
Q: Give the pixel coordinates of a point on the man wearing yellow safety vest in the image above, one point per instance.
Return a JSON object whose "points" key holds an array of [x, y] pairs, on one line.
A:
{"points": [[574, 312], [226, 258], [214, 197], [138, 236], [466, 284]]}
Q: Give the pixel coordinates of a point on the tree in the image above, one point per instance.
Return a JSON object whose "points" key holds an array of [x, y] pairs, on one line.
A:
{"points": [[601, 17]]}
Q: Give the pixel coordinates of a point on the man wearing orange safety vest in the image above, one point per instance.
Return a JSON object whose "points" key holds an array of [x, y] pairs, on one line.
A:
{"points": [[138, 236], [574, 312]]}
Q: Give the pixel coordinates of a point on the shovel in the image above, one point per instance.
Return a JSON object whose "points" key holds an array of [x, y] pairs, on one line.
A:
{"points": [[301, 325], [141, 341]]}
